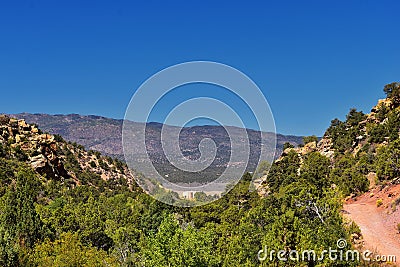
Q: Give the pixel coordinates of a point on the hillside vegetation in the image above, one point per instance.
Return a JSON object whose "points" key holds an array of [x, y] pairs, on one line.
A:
{"points": [[63, 206], [105, 135]]}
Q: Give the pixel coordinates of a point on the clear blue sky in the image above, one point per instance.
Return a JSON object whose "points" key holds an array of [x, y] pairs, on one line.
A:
{"points": [[313, 59]]}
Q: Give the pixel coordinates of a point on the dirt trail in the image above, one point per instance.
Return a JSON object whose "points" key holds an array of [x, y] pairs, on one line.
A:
{"points": [[378, 225]]}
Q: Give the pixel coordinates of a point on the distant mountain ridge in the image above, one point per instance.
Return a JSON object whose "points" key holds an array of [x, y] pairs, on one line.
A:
{"points": [[105, 135]]}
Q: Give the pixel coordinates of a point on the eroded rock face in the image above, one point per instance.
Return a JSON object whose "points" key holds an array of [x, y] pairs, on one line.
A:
{"points": [[325, 147], [308, 148], [40, 149], [304, 150], [54, 158]]}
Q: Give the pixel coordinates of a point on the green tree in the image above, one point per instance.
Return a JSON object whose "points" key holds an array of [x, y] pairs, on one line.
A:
{"points": [[287, 145], [315, 170], [69, 251], [392, 125], [354, 117], [201, 196], [382, 111], [346, 174], [392, 91], [344, 134], [20, 225], [179, 245], [387, 163], [309, 139], [284, 172]]}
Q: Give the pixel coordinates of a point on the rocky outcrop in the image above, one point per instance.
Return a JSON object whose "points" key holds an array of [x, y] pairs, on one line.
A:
{"points": [[40, 150], [54, 158], [325, 147], [382, 102], [261, 186]]}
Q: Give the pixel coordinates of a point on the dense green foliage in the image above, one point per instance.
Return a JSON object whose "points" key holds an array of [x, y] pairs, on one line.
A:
{"points": [[388, 161], [50, 222], [348, 176], [392, 91], [287, 145], [344, 134], [20, 225], [367, 144]]}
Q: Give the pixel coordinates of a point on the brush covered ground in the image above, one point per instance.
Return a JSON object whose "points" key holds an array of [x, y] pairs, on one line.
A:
{"points": [[64, 206]]}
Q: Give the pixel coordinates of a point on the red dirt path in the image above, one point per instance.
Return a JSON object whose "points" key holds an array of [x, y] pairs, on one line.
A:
{"points": [[378, 224]]}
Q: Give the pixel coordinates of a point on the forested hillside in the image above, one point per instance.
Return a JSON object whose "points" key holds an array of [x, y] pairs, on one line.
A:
{"points": [[105, 135], [64, 206]]}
